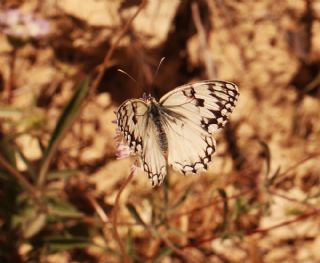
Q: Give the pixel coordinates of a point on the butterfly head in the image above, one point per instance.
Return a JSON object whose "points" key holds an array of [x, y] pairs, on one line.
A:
{"points": [[149, 99]]}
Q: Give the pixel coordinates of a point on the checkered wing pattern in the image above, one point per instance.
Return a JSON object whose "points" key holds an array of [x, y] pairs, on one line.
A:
{"points": [[140, 135], [188, 116], [192, 113]]}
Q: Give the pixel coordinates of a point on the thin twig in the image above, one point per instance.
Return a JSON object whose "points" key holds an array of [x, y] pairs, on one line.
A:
{"points": [[290, 199], [178, 251], [206, 54], [11, 81], [261, 230], [23, 181], [103, 66], [102, 215], [115, 218], [298, 164], [214, 202]]}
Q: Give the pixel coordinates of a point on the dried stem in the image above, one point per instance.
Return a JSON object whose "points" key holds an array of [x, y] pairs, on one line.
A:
{"points": [[214, 202], [11, 81], [290, 199], [178, 251], [115, 218], [262, 230], [103, 66], [23, 181], [99, 210], [298, 164]]}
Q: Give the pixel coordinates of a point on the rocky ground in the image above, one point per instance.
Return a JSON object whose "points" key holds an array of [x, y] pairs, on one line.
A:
{"points": [[259, 201]]}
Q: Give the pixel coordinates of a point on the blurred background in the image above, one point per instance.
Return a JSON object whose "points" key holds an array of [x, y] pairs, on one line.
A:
{"points": [[64, 195]]}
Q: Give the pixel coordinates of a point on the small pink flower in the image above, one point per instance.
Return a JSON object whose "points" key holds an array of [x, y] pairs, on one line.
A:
{"points": [[124, 151]]}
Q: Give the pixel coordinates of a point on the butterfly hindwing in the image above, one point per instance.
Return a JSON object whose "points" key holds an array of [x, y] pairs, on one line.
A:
{"points": [[154, 161], [189, 148]]}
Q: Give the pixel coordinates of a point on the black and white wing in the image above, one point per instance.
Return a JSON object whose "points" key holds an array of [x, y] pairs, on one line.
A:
{"points": [[191, 114], [140, 135]]}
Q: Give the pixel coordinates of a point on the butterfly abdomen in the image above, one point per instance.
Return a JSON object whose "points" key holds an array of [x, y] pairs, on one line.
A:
{"points": [[156, 118]]}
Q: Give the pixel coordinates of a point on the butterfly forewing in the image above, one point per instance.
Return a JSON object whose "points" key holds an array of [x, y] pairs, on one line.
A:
{"points": [[131, 119], [207, 103], [140, 134]]}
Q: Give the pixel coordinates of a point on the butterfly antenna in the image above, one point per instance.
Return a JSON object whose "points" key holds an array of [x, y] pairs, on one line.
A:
{"points": [[128, 75], [155, 75]]}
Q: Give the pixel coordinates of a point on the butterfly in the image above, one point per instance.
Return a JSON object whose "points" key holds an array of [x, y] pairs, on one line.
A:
{"points": [[177, 130]]}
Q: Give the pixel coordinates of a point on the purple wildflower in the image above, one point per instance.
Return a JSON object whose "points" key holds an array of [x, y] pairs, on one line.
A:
{"points": [[124, 151], [23, 26]]}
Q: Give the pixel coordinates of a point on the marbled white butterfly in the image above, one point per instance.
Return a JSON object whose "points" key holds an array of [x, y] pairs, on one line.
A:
{"points": [[176, 131]]}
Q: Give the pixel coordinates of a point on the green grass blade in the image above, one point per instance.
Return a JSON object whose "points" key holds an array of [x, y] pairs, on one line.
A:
{"points": [[61, 243], [65, 121], [135, 214], [63, 174]]}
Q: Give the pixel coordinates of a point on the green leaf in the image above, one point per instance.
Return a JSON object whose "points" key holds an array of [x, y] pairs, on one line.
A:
{"points": [[274, 177], [35, 225], [130, 247], [294, 211], [7, 150], [65, 121], [16, 42], [9, 192], [241, 207], [25, 119], [133, 211], [61, 243], [31, 168], [4, 176], [62, 208], [165, 252], [267, 155], [7, 112], [63, 173], [229, 235], [26, 212], [182, 198], [224, 197], [310, 196]]}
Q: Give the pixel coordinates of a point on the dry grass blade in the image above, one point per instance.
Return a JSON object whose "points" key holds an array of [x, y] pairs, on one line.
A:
{"points": [[115, 218]]}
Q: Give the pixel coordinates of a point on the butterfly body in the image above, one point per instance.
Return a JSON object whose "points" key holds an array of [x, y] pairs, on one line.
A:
{"points": [[155, 113], [177, 130]]}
